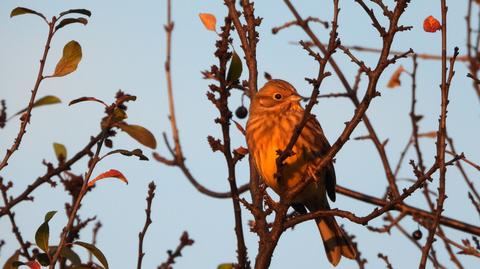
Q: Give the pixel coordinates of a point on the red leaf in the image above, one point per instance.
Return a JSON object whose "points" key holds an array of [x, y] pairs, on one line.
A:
{"points": [[110, 173], [431, 25], [33, 265], [241, 151]]}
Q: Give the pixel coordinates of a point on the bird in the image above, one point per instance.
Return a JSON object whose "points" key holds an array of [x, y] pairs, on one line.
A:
{"points": [[275, 111]]}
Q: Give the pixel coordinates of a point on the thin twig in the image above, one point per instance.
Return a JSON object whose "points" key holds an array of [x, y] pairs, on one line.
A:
{"points": [[148, 221], [172, 255]]}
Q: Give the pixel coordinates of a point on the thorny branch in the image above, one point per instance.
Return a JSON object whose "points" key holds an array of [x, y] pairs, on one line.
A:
{"points": [[148, 221], [172, 255]]}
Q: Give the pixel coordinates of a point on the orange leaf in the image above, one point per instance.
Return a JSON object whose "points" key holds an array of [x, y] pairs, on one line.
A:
{"points": [[110, 173], [431, 25], [395, 79], [208, 20], [432, 134], [33, 265]]}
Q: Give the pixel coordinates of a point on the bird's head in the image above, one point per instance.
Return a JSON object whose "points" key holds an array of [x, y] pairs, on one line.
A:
{"points": [[276, 96]]}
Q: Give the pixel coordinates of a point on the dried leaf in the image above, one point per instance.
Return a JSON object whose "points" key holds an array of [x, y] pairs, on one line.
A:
{"points": [[139, 133], [85, 12], [135, 152], [72, 54], [68, 21], [240, 127], [241, 151], [431, 25], [235, 69], [84, 99], [209, 21], [395, 78], [95, 251], [60, 151], [22, 10], [46, 100], [66, 253], [110, 173]]}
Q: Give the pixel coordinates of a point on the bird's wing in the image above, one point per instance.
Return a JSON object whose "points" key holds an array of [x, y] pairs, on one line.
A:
{"points": [[320, 148]]}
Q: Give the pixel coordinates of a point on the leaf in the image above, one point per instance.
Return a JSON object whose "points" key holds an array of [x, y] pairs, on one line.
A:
{"points": [[22, 10], [235, 69], [135, 152], [431, 25], [110, 173], [119, 115], [225, 266], [46, 100], [209, 21], [43, 259], [395, 78], [240, 127], [68, 254], [241, 151], [84, 99], [43, 232], [432, 134], [49, 215], [139, 133], [95, 251], [68, 21], [60, 151], [72, 54], [85, 12], [10, 262]]}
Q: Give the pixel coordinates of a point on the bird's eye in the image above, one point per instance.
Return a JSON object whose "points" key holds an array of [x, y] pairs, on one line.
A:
{"points": [[277, 96]]}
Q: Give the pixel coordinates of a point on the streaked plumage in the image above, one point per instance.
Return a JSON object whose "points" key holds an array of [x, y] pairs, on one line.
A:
{"points": [[274, 112]]}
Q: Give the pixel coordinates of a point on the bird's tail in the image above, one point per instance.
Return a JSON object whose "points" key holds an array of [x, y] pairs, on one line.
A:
{"points": [[335, 241]]}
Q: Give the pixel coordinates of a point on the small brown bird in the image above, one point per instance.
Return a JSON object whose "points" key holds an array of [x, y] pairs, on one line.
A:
{"points": [[274, 112]]}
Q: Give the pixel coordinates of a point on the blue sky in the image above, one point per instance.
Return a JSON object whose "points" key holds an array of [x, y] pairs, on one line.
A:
{"points": [[124, 48]]}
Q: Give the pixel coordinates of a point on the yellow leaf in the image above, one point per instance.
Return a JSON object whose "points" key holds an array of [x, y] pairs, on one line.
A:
{"points": [[395, 79], [72, 54], [209, 21], [60, 151], [110, 173], [46, 100], [139, 133]]}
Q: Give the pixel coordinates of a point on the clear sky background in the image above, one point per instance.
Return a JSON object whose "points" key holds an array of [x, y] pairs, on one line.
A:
{"points": [[124, 48]]}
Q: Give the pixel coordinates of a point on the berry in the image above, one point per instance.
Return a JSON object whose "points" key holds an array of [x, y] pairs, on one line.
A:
{"points": [[241, 112], [417, 235]]}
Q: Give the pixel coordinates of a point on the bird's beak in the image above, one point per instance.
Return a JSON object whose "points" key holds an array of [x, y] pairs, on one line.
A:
{"points": [[295, 98]]}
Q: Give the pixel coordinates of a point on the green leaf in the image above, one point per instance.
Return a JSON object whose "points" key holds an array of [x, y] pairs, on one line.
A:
{"points": [[43, 259], [10, 262], [67, 253], [60, 151], [49, 215], [16, 264], [22, 10], [68, 21], [225, 266], [46, 100], [139, 133], [235, 69], [43, 232], [135, 152], [72, 54], [85, 12], [95, 251], [41, 236]]}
